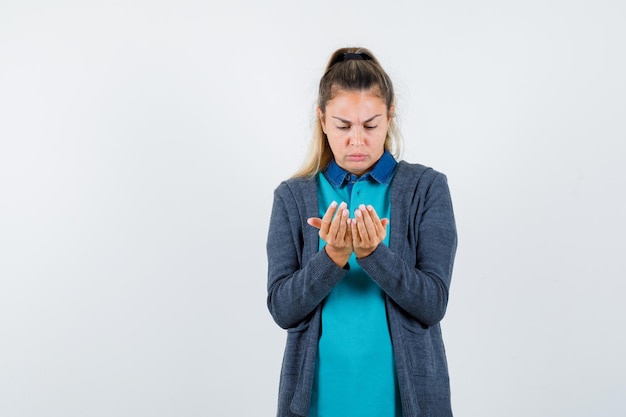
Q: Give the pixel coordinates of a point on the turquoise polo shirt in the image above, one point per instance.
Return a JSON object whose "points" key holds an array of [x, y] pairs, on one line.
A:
{"points": [[355, 371]]}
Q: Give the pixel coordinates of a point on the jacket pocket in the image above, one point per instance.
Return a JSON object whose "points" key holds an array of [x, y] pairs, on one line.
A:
{"points": [[419, 348]]}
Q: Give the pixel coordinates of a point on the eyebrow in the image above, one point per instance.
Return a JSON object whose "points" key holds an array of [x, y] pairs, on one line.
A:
{"points": [[348, 121]]}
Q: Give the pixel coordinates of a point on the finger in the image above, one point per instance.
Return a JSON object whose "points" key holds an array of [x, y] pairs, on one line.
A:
{"points": [[371, 221], [354, 232], [334, 233], [315, 222], [378, 224], [372, 212], [348, 228], [343, 223], [328, 216], [362, 228]]}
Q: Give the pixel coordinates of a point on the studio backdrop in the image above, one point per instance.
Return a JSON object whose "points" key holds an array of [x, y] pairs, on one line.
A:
{"points": [[140, 144]]}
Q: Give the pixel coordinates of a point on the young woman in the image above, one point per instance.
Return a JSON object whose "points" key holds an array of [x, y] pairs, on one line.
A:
{"points": [[360, 254]]}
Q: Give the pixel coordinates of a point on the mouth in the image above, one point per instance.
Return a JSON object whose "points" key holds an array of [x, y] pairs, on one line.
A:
{"points": [[356, 157]]}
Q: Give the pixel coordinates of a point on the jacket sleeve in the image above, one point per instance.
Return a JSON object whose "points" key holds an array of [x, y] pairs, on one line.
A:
{"points": [[421, 288], [294, 289]]}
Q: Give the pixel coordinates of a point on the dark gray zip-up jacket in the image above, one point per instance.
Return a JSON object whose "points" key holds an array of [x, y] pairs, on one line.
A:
{"points": [[414, 272]]}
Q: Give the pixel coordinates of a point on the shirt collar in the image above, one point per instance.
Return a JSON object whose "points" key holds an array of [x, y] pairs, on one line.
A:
{"points": [[382, 172]]}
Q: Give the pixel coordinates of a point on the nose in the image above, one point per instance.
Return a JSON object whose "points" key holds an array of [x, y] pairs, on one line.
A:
{"points": [[357, 138]]}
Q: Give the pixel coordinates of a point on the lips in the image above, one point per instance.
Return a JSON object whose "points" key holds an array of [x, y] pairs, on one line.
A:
{"points": [[356, 157]]}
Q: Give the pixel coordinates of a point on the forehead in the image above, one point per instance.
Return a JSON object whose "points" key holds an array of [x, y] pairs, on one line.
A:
{"points": [[337, 90], [356, 99]]}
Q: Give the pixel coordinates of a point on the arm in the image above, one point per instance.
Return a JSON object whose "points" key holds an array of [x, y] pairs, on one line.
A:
{"points": [[294, 289], [421, 289]]}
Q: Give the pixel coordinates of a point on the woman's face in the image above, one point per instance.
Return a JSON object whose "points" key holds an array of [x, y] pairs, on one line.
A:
{"points": [[356, 124]]}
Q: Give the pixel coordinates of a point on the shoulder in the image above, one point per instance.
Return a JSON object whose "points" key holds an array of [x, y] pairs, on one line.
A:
{"points": [[295, 199], [411, 175], [297, 186], [298, 194]]}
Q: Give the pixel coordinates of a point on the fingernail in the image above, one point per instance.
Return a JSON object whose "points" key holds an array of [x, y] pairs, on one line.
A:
{"points": [[343, 205], [333, 204], [370, 207], [362, 206], [357, 213]]}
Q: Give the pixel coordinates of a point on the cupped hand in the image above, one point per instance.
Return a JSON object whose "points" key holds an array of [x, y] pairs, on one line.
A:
{"points": [[367, 230], [336, 232]]}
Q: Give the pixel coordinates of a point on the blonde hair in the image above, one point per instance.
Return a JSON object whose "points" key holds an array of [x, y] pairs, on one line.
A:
{"points": [[349, 69]]}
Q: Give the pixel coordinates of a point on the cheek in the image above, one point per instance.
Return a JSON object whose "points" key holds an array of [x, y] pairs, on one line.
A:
{"points": [[332, 143], [380, 141], [335, 139], [338, 145]]}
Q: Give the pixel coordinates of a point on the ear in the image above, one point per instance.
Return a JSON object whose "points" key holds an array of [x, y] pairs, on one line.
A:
{"points": [[320, 116], [392, 112]]}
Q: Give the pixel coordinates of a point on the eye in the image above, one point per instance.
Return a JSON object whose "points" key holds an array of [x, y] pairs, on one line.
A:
{"points": [[371, 127], [343, 127]]}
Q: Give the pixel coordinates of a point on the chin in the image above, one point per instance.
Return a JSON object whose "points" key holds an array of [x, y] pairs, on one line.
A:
{"points": [[359, 169]]}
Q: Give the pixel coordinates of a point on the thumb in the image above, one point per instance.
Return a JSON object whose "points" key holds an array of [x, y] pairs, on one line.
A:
{"points": [[315, 222]]}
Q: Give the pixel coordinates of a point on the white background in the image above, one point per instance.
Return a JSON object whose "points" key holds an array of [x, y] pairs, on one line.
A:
{"points": [[141, 141]]}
